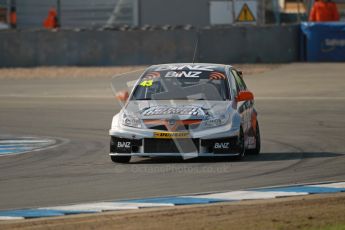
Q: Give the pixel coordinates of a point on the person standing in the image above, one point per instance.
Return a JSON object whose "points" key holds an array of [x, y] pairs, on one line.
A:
{"points": [[13, 15], [51, 22], [324, 11]]}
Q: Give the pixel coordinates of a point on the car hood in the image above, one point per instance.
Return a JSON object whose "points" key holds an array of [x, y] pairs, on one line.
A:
{"points": [[178, 110]]}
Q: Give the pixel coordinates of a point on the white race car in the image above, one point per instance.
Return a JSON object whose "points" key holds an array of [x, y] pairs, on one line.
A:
{"points": [[188, 110]]}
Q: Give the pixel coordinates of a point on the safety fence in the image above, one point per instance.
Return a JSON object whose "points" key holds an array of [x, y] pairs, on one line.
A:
{"points": [[72, 14], [102, 13]]}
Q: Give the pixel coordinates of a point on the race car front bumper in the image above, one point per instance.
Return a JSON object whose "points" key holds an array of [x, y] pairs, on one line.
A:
{"points": [[209, 143]]}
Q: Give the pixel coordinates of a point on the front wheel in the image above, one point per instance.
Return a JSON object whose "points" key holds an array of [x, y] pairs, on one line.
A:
{"points": [[117, 159], [120, 159], [241, 146]]}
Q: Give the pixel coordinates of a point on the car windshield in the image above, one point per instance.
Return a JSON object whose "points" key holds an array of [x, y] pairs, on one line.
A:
{"points": [[182, 83]]}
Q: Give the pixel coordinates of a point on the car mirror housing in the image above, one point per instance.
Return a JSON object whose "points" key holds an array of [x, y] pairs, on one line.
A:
{"points": [[245, 96]]}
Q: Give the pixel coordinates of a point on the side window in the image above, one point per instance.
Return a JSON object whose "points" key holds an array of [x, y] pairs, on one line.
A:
{"points": [[242, 83], [241, 86], [232, 83]]}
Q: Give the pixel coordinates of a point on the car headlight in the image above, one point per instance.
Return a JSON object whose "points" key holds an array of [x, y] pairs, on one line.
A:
{"points": [[216, 121], [131, 121]]}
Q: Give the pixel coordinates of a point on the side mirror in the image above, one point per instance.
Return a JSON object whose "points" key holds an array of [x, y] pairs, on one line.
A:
{"points": [[245, 96], [122, 96], [240, 73]]}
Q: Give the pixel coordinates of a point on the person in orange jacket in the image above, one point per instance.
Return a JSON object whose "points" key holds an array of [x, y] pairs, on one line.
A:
{"points": [[324, 11], [51, 21], [13, 17]]}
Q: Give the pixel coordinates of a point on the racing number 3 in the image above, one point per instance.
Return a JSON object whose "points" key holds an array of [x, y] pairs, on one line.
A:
{"points": [[146, 83]]}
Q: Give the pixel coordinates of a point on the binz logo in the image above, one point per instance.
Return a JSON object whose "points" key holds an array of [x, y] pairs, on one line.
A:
{"points": [[183, 74], [123, 144], [222, 145]]}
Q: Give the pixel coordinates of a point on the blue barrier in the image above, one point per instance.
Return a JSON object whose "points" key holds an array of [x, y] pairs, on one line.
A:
{"points": [[323, 41]]}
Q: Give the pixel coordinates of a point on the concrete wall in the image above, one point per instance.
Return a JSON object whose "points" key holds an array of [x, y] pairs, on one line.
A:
{"points": [[103, 48], [250, 44]]}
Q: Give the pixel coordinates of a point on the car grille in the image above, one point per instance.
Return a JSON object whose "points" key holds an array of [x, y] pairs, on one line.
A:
{"points": [[178, 129], [158, 127], [154, 145], [163, 125]]}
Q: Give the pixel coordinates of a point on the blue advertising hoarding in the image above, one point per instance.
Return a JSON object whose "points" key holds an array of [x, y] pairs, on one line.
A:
{"points": [[323, 42]]}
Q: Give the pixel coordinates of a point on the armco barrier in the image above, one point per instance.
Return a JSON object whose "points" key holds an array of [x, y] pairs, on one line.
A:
{"points": [[323, 41], [104, 48]]}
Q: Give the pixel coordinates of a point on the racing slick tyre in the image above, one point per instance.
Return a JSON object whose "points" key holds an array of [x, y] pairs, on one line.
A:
{"points": [[241, 146], [120, 159], [256, 151]]}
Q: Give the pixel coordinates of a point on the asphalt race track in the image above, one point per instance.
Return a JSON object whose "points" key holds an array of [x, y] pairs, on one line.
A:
{"points": [[301, 113]]}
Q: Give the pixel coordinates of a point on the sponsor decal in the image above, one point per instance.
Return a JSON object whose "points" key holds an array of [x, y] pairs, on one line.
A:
{"points": [[216, 76], [164, 110], [169, 135], [329, 45], [335, 42], [221, 145], [186, 67], [187, 74], [124, 144]]}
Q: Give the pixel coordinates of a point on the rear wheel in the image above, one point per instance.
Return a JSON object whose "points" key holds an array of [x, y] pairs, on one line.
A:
{"points": [[256, 151], [241, 146]]}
